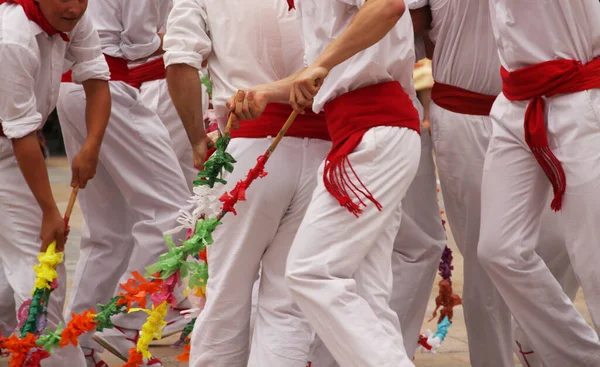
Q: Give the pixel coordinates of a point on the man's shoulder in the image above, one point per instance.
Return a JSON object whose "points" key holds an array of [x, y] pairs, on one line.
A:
{"points": [[15, 27]]}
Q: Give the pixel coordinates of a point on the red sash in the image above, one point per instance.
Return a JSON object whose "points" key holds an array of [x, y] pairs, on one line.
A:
{"points": [[119, 70], [548, 79], [348, 118], [461, 101], [147, 72], [309, 125]]}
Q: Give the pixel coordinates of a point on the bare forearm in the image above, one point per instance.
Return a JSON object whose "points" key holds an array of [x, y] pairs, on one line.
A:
{"points": [[421, 19], [374, 20], [97, 111], [279, 91], [31, 162], [425, 99], [186, 92]]}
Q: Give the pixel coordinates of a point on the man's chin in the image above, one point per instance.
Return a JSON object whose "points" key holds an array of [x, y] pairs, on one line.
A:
{"points": [[66, 26]]}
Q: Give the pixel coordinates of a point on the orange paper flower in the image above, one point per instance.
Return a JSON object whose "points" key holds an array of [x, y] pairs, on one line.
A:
{"points": [[79, 325], [135, 358], [137, 290], [185, 356], [19, 349]]}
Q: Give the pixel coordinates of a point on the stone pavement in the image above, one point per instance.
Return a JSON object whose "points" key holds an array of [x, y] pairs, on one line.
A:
{"points": [[455, 350]]}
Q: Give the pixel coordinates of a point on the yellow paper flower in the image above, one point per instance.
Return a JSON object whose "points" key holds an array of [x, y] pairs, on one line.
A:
{"points": [[152, 329], [45, 271]]}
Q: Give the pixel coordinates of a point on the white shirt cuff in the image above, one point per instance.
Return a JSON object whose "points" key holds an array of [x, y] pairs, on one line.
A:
{"points": [[16, 129]]}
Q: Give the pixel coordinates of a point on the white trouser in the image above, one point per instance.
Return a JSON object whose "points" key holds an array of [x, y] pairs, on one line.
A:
{"points": [[155, 95], [460, 143], [20, 221], [417, 251], [339, 268], [135, 196], [8, 321], [262, 231], [556, 257], [514, 196]]}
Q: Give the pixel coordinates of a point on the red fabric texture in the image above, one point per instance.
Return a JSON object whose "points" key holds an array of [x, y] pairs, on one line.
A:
{"points": [[309, 125], [147, 72], [349, 117], [119, 70], [33, 12], [463, 101], [291, 5], [548, 79]]}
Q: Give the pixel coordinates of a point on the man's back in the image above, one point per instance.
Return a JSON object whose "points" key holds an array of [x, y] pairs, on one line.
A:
{"points": [[535, 31], [246, 43]]}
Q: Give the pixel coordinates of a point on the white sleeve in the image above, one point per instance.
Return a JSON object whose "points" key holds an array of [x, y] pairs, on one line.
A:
{"points": [[18, 107], [141, 20], [357, 3], [187, 40], [85, 53], [416, 4]]}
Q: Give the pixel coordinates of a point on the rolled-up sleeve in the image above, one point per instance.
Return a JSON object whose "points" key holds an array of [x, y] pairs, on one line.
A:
{"points": [[187, 40], [85, 53], [141, 20], [416, 4], [18, 108]]}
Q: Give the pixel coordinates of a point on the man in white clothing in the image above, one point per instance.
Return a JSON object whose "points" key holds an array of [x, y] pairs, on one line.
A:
{"points": [[140, 186], [545, 132], [361, 57], [248, 43], [36, 39], [466, 68]]}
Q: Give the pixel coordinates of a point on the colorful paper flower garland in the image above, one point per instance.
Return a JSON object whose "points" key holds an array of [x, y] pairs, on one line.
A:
{"points": [[37, 343], [447, 300]]}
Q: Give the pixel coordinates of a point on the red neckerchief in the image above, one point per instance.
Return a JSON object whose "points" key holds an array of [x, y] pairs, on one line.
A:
{"points": [[291, 5], [34, 14]]}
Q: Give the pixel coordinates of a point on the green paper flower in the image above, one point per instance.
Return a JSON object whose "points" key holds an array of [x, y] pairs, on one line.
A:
{"points": [[217, 163], [50, 340], [103, 317]]}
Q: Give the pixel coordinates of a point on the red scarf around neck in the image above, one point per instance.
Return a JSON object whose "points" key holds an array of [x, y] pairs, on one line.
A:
{"points": [[548, 79], [33, 12], [291, 5]]}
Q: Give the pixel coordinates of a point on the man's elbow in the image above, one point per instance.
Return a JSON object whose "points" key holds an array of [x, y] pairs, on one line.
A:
{"points": [[396, 8]]}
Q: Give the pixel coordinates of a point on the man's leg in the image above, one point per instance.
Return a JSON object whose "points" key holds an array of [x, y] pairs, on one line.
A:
{"points": [[460, 143], [20, 231], [352, 316], [221, 334], [514, 196], [282, 335]]}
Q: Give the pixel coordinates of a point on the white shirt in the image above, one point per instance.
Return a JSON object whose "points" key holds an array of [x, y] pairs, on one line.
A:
{"points": [[32, 66], [532, 31], [465, 52], [246, 43], [128, 28], [392, 58]]}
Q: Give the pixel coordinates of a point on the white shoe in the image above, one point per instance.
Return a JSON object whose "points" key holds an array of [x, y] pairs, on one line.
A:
{"points": [[119, 341]]}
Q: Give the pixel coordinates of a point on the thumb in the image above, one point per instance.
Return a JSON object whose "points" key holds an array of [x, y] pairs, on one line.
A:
{"points": [[74, 176]]}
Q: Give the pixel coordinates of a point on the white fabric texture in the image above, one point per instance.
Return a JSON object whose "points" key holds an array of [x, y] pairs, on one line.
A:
{"points": [[262, 231], [339, 273], [20, 218]]}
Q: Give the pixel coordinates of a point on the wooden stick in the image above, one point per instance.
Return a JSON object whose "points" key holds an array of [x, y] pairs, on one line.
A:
{"points": [[229, 123], [71, 204], [282, 133]]}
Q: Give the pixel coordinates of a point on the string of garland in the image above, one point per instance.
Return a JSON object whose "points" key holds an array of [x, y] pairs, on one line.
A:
{"points": [[34, 345], [37, 342], [446, 300]]}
